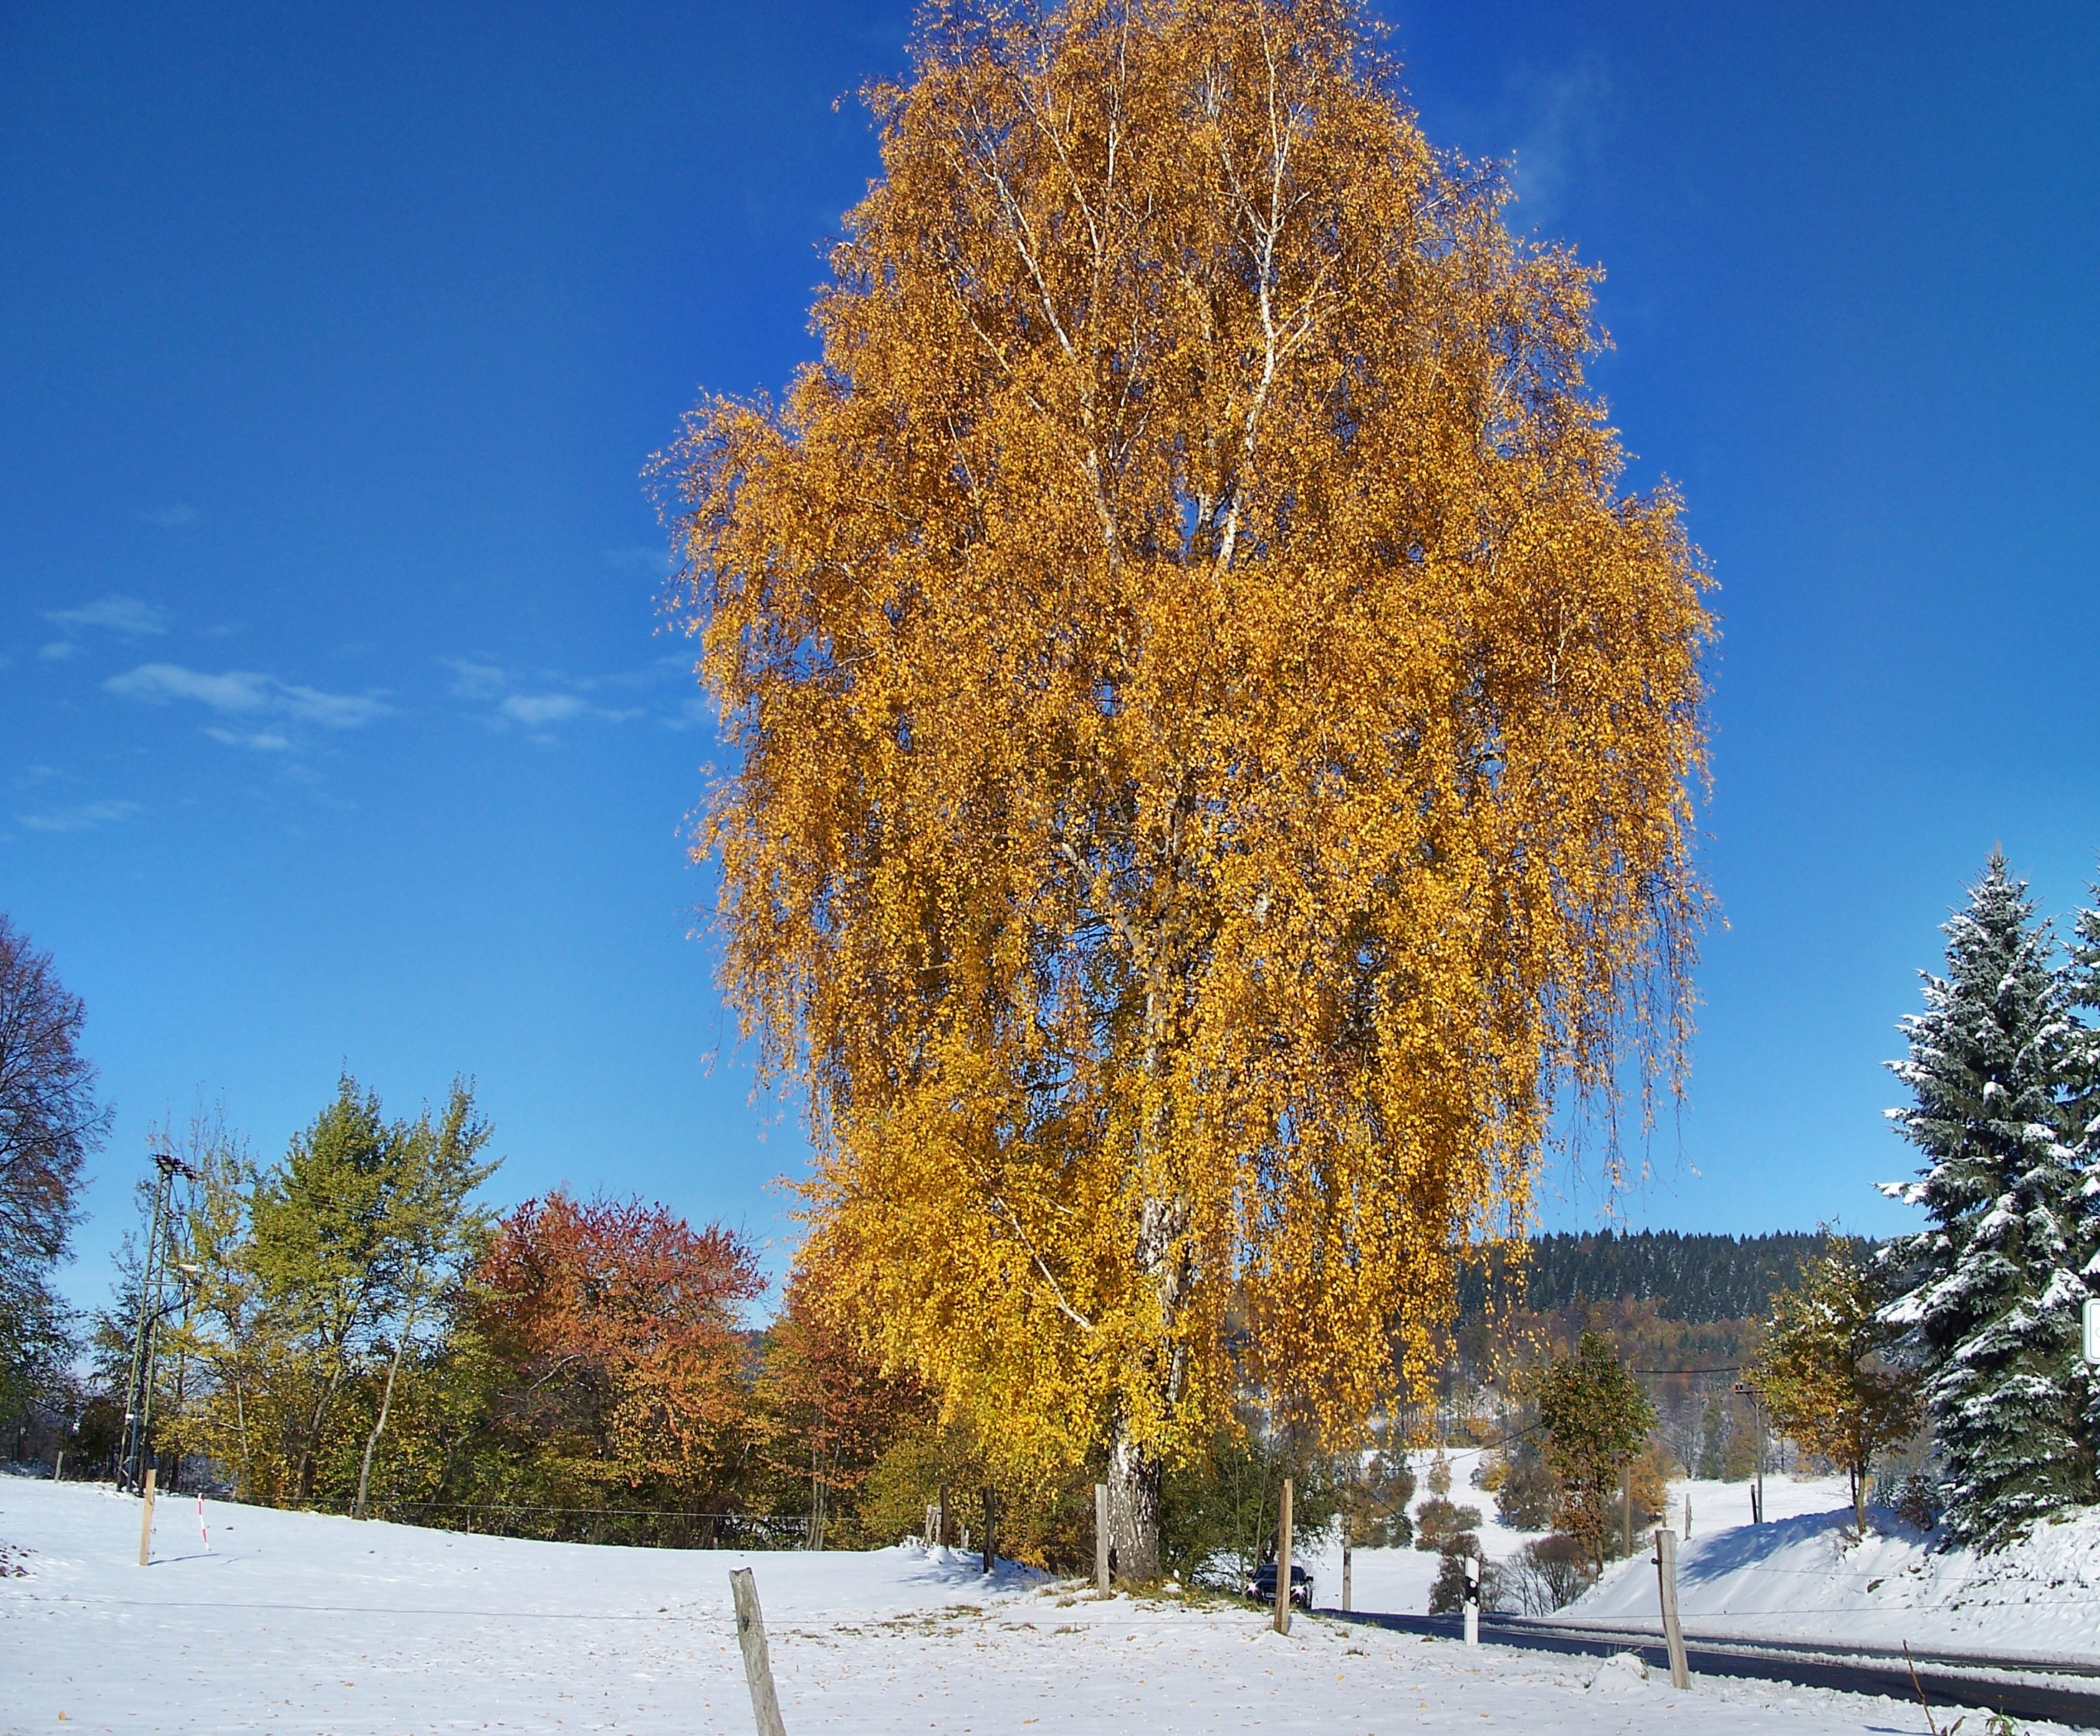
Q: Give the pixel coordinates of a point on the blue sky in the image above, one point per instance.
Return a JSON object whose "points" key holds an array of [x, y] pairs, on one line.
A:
{"points": [[334, 725]]}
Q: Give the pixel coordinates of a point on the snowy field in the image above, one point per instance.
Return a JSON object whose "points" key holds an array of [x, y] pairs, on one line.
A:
{"points": [[1798, 1576], [1399, 1580], [295, 1622]]}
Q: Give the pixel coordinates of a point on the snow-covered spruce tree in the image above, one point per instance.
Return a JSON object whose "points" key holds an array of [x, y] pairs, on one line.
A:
{"points": [[2082, 1105], [1991, 1290]]}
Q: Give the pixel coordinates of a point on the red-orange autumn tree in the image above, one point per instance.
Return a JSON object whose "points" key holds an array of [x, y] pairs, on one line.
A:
{"points": [[1213, 744], [618, 1327], [830, 1412]]}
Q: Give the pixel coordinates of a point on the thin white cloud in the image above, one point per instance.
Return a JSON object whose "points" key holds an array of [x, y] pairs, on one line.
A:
{"points": [[243, 693], [652, 556], [236, 690], [125, 616], [59, 651], [473, 680], [84, 817], [537, 700], [536, 711], [263, 741], [334, 711], [178, 518], [1561, 148]]}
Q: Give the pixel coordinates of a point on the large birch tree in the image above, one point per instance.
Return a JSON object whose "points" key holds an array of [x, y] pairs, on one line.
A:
{"points": [[1213, 744]]}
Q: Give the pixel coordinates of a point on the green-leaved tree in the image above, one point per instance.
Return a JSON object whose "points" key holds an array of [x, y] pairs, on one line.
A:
{"points": [[1597, 1421], [1822, 1373], [354, 1236]]}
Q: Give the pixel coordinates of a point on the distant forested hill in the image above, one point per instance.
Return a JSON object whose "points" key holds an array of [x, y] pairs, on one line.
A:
{"points": [[1689, 1277]]}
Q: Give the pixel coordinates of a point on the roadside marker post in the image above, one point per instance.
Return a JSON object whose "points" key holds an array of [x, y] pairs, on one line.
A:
{"points": [[1472, 1600], [2093, 1328], [1673, 1630], [757, 1665], [1101, 1539], [1283, 1562], [146, 1521]]}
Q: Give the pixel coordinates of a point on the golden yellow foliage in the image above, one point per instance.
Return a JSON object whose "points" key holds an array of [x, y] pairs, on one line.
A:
{"points": [[1212, 743]]}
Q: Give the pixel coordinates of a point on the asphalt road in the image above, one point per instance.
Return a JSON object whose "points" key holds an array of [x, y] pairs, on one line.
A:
{"points": [[2069, 1693]]}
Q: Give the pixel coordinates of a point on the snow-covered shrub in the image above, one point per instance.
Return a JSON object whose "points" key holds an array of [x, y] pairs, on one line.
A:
{"points": [[1916, 1499]]}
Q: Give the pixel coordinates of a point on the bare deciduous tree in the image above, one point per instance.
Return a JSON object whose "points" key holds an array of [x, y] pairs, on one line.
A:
{"points": [[49, 1122]]}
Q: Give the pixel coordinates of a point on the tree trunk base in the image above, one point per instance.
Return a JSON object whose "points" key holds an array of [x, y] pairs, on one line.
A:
{"points": [[1134, 1488]]}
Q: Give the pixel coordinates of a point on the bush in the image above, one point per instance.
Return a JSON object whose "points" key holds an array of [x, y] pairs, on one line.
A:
{"points": [[1524, 1501], [1389, 1487], [1447, 1595], [1917, 1500], [1438, 1523], [1544, 1576]]}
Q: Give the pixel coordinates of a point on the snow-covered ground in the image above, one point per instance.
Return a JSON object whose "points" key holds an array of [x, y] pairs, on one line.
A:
{"points": [[1799, 1576], [1399, 1580], [296, 1621]]}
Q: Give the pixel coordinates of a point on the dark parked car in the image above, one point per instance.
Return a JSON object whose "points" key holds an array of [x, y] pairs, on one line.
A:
{"points": [[1261, 1586]]}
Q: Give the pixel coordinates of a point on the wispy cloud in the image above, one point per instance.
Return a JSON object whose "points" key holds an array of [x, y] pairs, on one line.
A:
{"points": [[473, 680], [82, 818], [242, 693], [536, 711], [700, 713], [537, 700], [1563, 117], [59, 651], [654, 558], [123, 615], [176, 517], [263, 741]]}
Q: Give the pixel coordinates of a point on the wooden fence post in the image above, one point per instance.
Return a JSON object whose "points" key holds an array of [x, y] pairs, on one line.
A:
{"points": [[1348, 1527], [1101, 1539], [990, 1542], [146, 1521], [1283, 1562], [1673, 1632], [58, 1471], [757, 1667]]}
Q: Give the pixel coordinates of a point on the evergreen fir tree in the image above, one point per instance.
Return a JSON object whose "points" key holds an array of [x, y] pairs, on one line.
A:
{"points": [[1993, 1289], [2082, 976]]}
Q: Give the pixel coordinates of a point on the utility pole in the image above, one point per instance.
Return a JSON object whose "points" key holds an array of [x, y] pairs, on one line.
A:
{"points": [[153, 1306], [1747, 1390]]}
